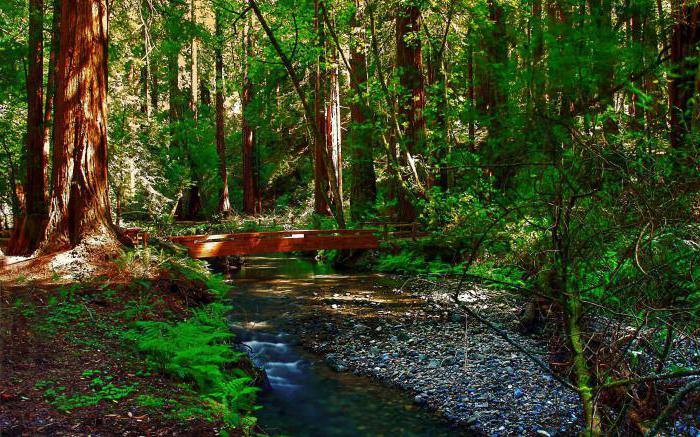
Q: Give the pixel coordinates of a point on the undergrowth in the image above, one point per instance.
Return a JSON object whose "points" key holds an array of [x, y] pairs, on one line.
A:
{"points": [[198, 350]]}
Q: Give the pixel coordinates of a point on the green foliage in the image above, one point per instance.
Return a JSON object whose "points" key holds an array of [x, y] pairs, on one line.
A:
{"points": [[100, 388], [198, 349], [150, 401]]}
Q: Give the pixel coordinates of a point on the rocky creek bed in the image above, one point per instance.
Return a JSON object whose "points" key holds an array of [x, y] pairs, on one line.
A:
{"points": [[408, 337]]}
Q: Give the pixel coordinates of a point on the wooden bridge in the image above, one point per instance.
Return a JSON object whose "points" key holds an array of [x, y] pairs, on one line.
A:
{"points": [[249, 243], [211, 246]]}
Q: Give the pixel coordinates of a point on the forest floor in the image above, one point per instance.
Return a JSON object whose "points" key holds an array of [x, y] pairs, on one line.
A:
{"points": [[416, 342], [65, 368]]}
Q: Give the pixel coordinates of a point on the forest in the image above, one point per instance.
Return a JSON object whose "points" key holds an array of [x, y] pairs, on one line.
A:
{"points": [[350, 217]]}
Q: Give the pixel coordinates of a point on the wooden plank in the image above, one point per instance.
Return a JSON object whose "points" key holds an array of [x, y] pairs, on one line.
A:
{"points": [[248, 246], [272, 234]]}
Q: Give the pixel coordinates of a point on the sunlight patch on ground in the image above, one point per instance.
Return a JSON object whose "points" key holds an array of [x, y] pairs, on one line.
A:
{"points": [[9, 260]]}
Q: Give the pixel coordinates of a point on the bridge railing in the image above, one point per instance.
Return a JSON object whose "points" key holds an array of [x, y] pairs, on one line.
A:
{"points": [[209, 246], [396, 230]]}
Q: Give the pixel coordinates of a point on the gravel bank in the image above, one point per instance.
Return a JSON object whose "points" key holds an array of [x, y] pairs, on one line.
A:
{"points": [[407, 337]]}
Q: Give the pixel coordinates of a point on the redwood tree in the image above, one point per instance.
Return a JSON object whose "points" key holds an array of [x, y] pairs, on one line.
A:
{"points": [[252, 203], [28, 232], [224, 202], [409, 61], [320, 141], [684, 41], [80, 201], [363, 179]]}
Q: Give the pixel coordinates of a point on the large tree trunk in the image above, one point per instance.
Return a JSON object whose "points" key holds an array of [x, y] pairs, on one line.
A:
{"points": [[29, 231], [320, 180], [224, 202], [684, 40], [80, 203], [472, 98], [191, 203], [333, 124], [495, 95], [409, 61], [51, 80], [145, 17], [194, 63], [174, 95], [252, 203], [438, 81], [363, 192]]}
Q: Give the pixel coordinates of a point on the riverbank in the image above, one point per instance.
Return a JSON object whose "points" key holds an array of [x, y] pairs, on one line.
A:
{"points": [[77, 358], [408, 337]]}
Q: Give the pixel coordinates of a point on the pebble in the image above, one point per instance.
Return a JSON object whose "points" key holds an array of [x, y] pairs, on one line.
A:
{"points": [[423, 351]]}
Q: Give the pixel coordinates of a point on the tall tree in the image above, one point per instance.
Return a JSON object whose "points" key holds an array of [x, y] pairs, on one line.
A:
{"points": [[80, 209], [252, 202], [224, 202], [194, 61], [438, 83], [320, 142], [363, 184], [684, 42], [51, 79], [29, 232], [493, 89], [317, 135], [409, 62], [332, 129], [146, 81], [173, 55]]}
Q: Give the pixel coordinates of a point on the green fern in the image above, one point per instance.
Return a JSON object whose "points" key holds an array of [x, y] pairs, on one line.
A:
{"points": [[198, 350]]}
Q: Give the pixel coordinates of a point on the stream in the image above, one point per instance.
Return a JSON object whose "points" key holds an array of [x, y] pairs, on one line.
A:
{"points": [[306, 397]]}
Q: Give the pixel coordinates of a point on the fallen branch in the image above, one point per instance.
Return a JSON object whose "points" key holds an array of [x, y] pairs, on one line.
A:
{"points": [[671, 407], [655, 377], [499, 332]]}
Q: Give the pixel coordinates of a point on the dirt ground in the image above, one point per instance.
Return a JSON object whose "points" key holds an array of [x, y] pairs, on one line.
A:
{"points": [[64, 367]]}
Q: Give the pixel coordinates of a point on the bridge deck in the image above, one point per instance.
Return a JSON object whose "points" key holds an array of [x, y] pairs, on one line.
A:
{"points": [[211, 246]]}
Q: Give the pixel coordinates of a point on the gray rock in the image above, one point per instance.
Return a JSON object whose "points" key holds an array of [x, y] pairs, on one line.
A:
{"points": [[457, 317], [449, 361], [359, 328]]}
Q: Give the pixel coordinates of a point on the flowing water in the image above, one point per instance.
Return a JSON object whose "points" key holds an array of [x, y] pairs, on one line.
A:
{"points": [[305, 397]]}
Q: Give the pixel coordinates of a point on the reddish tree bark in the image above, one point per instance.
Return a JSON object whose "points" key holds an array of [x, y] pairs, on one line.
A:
{"points": [[224, 202], [409, 61], [80, 203], [51, 81], [29, 231], [684, 40], [252, 203]]}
